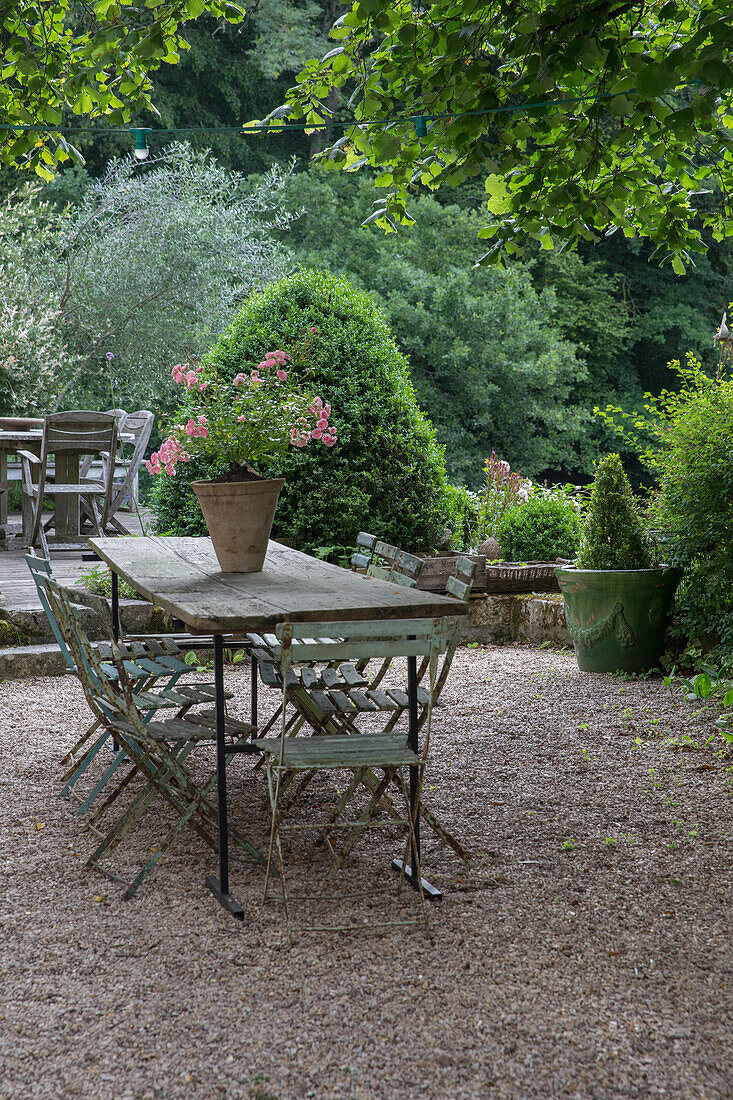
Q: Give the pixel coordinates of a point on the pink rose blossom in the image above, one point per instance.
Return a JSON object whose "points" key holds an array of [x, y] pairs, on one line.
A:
{"points": [[327, 440], [282, 375], [316, 433], [240, 379], [323, 422], [313, 328], [190, 428]]}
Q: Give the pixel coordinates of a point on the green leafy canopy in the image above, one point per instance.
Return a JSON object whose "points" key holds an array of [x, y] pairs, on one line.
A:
{"points": [[584, 118], [88, 60]]}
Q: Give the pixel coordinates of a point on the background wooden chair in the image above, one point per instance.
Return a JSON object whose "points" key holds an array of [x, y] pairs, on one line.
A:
{"points": [[69, 436], [136, 427]]}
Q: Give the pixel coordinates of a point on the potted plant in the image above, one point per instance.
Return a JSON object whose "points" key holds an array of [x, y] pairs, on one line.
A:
{"points": [[242, 421], [617, 601]]}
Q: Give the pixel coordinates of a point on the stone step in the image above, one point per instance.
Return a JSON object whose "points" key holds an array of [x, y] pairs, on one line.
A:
{"points": [[30, 625]]}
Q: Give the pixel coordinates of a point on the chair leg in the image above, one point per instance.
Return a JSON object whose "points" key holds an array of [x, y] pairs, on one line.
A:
{"points": [[412, 848], [356, 778], [74, 774], [361, 824]]}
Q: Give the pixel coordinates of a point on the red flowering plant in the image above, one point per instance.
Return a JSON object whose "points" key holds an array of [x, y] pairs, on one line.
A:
{"points": [[248, 419]]}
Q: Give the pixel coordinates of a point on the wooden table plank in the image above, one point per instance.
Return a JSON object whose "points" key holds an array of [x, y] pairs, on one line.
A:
{"points": [[182, 576]]}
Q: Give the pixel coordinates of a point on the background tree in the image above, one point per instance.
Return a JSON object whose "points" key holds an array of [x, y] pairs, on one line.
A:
{"points": [[580, 116], [487, 358]]}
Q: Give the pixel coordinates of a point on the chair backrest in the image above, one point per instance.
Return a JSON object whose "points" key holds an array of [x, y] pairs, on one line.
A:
{"points": [[81, 432], [459, 584], [386, 562], [350, 640], [40, 569], [120, 416], [139, 425]]}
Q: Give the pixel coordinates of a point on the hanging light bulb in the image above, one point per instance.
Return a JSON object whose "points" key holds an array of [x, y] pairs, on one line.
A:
{"points": [[141, 142]]}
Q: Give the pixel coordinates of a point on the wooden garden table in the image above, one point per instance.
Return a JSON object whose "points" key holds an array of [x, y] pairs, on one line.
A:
{"points": [[182, 576]]}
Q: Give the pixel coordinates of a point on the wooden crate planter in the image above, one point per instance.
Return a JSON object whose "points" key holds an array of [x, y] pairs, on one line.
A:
{"points": [[439, 567]]}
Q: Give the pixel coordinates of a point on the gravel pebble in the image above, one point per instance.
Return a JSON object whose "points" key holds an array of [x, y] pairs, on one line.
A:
{"points": [[587, 954]]}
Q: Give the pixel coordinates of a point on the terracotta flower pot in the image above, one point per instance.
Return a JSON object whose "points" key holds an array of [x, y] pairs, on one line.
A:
{"points": [[239, 517]]}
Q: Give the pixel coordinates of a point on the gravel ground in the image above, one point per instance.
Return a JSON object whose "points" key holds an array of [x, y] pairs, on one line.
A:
{"points": [[587, 954]]}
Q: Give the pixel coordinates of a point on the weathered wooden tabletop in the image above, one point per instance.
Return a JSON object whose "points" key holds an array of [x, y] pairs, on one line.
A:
{"points": [[182, 576]]}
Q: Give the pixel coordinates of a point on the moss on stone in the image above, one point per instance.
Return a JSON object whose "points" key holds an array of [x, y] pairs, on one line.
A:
{"points": [[12, 635]]}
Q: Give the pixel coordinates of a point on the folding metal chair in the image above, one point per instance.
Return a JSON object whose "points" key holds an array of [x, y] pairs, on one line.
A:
{"points": [[390, 753], [333, 699], [158, 751], [154, 669]]}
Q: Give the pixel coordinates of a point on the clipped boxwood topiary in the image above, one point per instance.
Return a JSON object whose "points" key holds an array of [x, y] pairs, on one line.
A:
{"points": [[542, 529], [613, 535], [617, 603], [387, 473]]}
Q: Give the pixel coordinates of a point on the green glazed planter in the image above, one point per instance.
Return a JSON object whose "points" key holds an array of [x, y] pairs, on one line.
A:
{"points": [[618, 618]]}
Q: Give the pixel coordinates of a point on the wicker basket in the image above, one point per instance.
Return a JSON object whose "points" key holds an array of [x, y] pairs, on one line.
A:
{"points": [[532, 576]]}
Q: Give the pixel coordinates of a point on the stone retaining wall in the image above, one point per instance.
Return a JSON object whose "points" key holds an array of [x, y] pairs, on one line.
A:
{"points": [[493, 620]]}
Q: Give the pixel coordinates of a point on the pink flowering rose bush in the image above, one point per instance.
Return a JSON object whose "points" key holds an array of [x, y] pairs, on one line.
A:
{"points": [[247, 420]]}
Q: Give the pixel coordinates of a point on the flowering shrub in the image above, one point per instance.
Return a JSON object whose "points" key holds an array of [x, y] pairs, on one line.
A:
{"points": [[250, 419], [503, 491]]}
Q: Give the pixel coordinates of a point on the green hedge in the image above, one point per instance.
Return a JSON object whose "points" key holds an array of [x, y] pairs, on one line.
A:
{"points": [[543, 529], [387, 472]]}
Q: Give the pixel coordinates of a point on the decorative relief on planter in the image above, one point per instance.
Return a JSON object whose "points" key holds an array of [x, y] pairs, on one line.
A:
{"points": [[616, 621]]}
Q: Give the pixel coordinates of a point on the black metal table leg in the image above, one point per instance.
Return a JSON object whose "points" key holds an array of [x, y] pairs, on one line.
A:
{"points": [[429, 890], [115, 606], [253, 693], [220, 886]]}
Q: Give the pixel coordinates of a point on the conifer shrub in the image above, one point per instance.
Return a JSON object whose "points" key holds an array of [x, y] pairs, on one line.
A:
{"points": [[387, 473], [613, 535]]}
